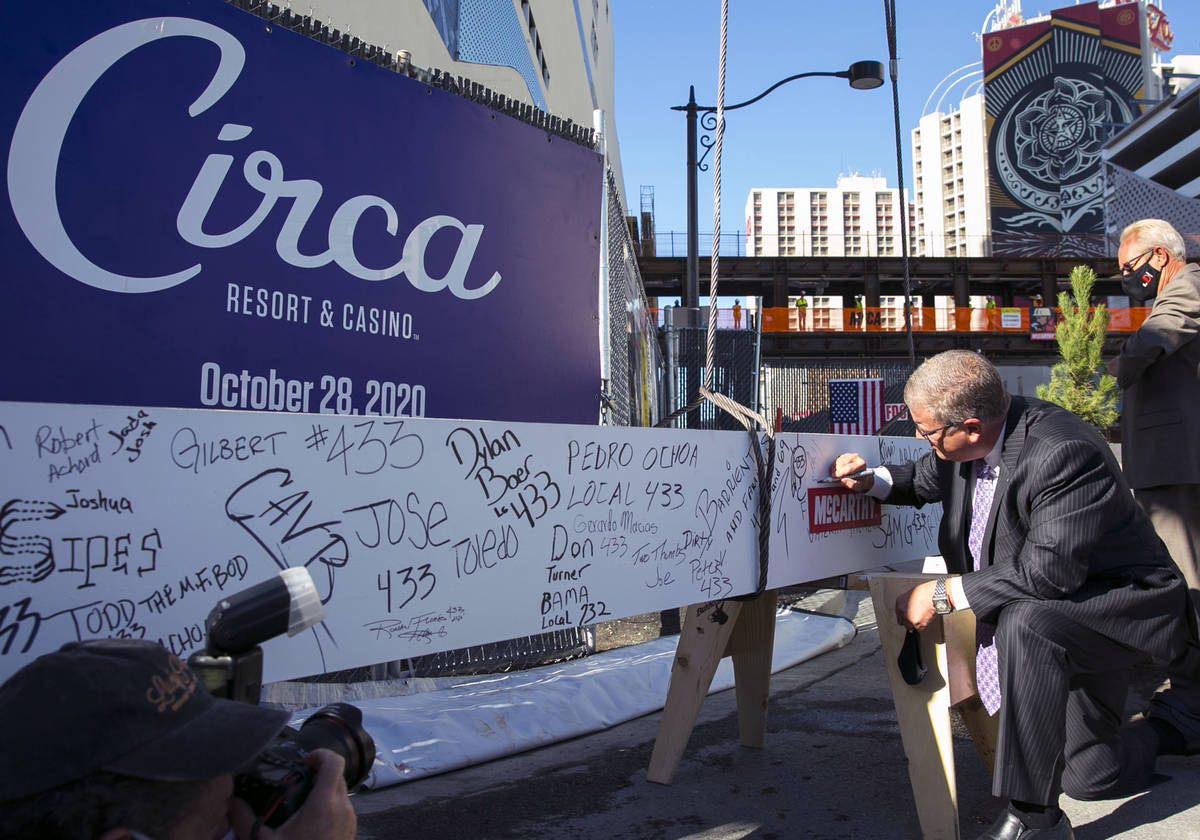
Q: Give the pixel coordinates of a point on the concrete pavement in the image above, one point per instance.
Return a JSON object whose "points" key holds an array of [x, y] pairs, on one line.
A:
{"points": [[833, 767]]}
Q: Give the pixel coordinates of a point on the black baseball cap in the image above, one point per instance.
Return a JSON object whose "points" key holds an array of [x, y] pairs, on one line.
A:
{"points": [[125, 706]]}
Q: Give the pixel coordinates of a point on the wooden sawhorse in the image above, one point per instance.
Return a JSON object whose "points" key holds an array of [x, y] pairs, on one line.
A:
{"points": [[745, 630], [923, 710]]}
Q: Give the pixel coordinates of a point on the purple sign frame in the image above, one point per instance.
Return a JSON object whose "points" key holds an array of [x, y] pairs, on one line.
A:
{"points": [[203, 210]]}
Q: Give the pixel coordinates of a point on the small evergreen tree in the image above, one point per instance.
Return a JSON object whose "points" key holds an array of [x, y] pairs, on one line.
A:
{"points": [[1077, 382]]}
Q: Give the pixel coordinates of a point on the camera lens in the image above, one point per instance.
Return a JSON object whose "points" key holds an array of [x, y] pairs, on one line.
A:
{"points": [[338, 727]]}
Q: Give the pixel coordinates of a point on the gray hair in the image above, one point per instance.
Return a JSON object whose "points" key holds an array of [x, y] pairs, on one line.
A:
{"points": [[958, 384], [1156, 233]]}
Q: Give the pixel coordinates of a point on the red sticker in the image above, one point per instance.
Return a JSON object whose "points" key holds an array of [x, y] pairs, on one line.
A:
{"points": [[839, 509]]}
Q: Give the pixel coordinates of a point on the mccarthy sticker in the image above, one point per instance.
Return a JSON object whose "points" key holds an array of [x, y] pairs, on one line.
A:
{"points": [[835, 509]]}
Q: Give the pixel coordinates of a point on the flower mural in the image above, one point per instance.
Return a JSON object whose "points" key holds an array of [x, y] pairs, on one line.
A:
{"points": [[1056, 88], [1059, 134]]}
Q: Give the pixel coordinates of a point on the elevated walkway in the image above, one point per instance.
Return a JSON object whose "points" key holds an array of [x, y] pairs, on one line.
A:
{"points": [[775, 279]]}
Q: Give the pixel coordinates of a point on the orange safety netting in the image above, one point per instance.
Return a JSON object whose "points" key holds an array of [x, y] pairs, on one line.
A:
{"points": [[924, 319]]}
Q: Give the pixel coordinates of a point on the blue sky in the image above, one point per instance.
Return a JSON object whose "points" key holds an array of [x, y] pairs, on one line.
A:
{"points": [[809, 131]]}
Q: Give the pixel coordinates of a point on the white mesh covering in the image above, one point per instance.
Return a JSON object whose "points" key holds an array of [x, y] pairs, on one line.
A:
{"points": [[1129, 197]]}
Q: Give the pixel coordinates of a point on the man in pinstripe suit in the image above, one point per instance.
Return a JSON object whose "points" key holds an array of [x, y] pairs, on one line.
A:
{"points": [[1070, 573]]}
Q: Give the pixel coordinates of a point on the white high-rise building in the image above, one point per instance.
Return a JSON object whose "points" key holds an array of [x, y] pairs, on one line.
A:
{"points": [[950, 182], [554, 54], [859, 217]]}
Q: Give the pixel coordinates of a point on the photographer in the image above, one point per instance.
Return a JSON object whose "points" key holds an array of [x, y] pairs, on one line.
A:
{"points": [[119, 740]]}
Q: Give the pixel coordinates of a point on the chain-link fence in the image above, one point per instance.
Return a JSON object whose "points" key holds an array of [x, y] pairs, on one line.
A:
{"points": [[509, 655], [633, 363], [735, 362], [797, 390]]}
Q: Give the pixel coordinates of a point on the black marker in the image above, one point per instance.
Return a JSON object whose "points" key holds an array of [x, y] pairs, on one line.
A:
{"points": [[860, 474]]}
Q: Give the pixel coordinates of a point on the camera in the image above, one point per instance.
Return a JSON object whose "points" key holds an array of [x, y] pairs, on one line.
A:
{"points": [[277, 781]]}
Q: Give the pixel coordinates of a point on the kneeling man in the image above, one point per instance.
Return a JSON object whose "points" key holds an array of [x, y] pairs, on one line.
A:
{"points": [[1070, 586]]}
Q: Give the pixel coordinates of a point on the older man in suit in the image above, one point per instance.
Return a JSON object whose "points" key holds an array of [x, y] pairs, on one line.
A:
{"points": [[1159, 370], [1069, 584]]}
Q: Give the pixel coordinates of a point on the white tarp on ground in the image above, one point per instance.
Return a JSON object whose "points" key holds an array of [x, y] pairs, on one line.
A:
{"points": [[433, 732]]}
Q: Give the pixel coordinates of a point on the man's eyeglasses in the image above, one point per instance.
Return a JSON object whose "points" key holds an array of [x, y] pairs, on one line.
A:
{"points": [[928, 434], [1128, 267]]}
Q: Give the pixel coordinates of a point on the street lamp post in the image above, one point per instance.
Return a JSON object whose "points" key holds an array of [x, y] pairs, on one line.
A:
{"points": [[862, 75]]}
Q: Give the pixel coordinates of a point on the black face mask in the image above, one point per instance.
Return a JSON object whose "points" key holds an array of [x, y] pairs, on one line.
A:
{"points": [[1142, 285]]}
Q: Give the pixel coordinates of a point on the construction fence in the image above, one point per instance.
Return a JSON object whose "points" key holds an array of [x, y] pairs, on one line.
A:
{"points": [[795, 392]]}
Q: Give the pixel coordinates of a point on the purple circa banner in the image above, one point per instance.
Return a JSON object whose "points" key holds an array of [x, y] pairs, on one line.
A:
{"points": [[203, 210]]}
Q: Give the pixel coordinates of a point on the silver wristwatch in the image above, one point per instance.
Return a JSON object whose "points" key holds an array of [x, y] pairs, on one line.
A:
{"points": [[941, 603]]}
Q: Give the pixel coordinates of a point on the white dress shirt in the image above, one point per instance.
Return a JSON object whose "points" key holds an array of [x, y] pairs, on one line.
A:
{"points": [[883, 486]]}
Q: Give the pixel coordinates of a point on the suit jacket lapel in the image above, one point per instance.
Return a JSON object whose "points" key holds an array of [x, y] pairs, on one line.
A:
{"points": [[1010, 454]]}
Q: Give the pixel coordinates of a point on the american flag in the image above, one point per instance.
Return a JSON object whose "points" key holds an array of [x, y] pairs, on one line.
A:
{"points": [[855, 406]]}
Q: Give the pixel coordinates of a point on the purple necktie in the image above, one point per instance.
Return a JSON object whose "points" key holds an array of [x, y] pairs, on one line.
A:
{"points": [[987, 674]]}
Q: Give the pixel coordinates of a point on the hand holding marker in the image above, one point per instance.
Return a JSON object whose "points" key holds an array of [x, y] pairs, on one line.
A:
{"points": [[860, 474]]}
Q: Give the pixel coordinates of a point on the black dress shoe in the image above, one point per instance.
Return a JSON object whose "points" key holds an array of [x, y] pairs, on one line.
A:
{"points": [[1008, 826]]}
